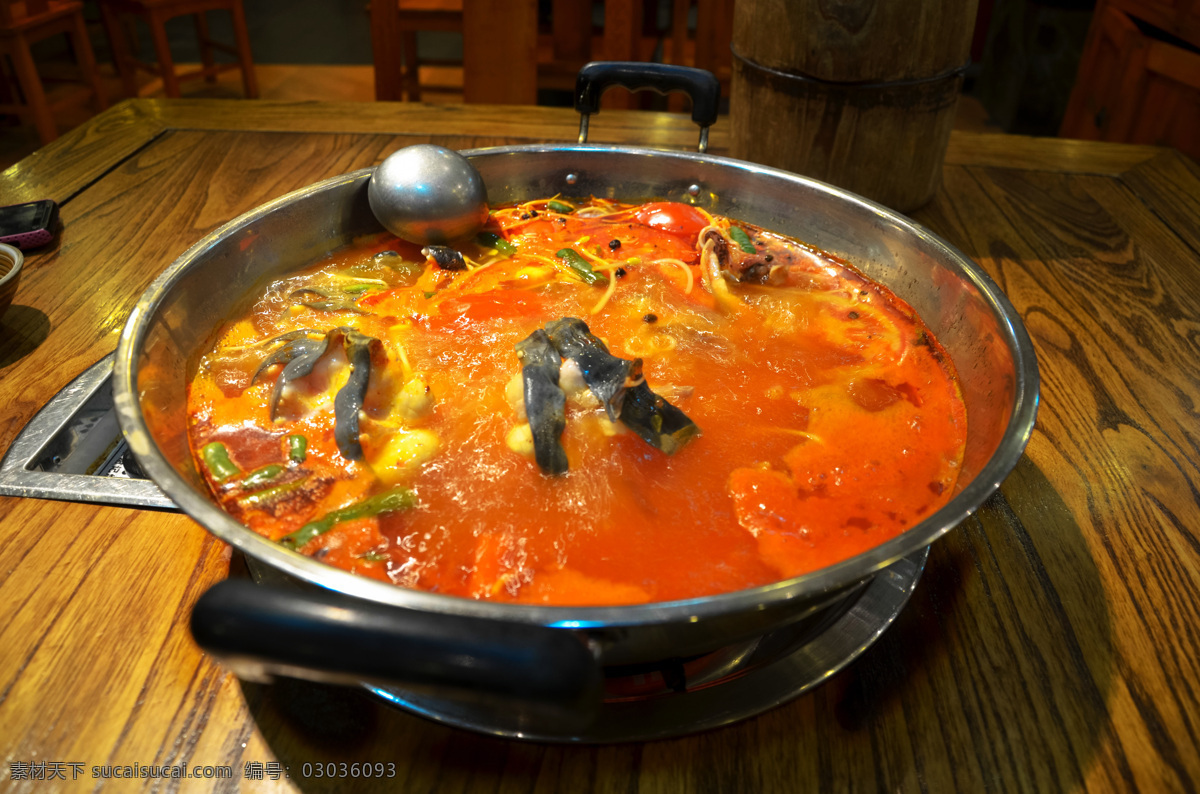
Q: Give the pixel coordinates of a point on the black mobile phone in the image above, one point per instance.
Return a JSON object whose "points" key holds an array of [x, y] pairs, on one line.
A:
{"points": [[28, 225]]}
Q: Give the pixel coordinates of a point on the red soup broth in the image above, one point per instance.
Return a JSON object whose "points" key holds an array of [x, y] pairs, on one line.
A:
{"points": [[829, 418]]}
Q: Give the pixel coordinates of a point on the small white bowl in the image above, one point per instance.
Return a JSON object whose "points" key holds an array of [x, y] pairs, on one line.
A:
{"points": [[10, 273]]}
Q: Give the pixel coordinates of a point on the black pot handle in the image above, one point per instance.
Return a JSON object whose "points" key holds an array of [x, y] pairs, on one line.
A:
{"points": [[261, 630], [703, 87]]}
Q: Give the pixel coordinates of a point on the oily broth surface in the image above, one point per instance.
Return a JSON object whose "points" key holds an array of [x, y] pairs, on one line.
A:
{"points": [[830, 420]]}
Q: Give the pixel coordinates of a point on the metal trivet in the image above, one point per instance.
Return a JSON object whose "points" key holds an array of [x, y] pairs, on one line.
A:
{"points": [[686, 696], [73, 450]]}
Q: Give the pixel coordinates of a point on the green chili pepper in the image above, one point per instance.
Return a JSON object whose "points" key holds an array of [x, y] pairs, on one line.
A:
{"points": [[355, 289], [742, 239], [261, 476], [580, 265], [560, 206], [493, 240], [429, 294], [216, 458], [268, 495], [297, 448], [389, 501]]}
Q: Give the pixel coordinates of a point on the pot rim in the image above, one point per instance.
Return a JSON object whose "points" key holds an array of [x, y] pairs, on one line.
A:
{"points": [[801, 588]]}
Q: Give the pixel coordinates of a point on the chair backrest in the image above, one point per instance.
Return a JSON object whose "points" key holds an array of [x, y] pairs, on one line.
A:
{"points": [[705, 47], [14, 11]]}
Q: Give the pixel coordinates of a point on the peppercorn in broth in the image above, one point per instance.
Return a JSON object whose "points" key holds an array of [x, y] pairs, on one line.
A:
{"points": [[590, 403]]}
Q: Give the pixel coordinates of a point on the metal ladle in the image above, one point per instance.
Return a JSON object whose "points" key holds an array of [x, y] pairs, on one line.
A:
{"points": [[429, 195]]}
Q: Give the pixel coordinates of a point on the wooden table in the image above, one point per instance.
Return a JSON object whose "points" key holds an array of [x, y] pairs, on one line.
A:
{"points": [[1051, 645]]}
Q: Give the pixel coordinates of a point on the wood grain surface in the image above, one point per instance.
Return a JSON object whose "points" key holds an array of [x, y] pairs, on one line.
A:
{"points": [[1051, 644], [860, 93], [855, 41]]}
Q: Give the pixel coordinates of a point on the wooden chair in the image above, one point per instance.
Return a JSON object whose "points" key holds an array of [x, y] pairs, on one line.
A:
{"points": [[155, 14], [706, 47], [495, 30], [25, 23], [394, 27], [1136, 85]]}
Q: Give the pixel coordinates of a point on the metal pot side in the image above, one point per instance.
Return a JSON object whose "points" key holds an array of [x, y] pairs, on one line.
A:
{"points": [[178, 315]]}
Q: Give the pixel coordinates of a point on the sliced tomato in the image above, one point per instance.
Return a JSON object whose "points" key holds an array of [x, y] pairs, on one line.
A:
{"points": [[505, 303], [673, 217]]}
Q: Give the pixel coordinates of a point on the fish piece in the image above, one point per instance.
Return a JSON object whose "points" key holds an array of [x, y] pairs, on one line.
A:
{"points": [[288, 337], [286, 353], [363, 352], [328, 302], [604, 373], [660, 424], [545, 402], [301, 356], [444, 257]]}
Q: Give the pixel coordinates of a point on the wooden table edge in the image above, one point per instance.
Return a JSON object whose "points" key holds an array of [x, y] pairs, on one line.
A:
{"points": [[72, 162], [560, 123]]}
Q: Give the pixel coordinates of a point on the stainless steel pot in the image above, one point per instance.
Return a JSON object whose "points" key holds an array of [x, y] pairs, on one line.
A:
{"points": [[175, 320]]}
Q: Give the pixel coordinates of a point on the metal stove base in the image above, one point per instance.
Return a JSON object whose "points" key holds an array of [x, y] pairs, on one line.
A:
{"points": [[753, 681], [73, 450]]}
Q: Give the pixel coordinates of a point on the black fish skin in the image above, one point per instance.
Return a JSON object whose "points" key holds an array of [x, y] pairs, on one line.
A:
{"points": [[444, 257], [286, 353], [545, 403], [300, 357], [656, 421], [604, 373], [660, 424], [349, 400], [328, 302]]}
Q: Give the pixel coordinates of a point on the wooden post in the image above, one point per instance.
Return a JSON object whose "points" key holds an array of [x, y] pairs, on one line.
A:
{"points": [[860, 93]]}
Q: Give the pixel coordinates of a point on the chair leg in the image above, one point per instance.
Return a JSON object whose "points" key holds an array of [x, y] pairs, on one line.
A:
{"points": [[87, 61], [388, 59], [206, 50], [31, 86], [121, 54], [241, 38], [162, 53], [7, 97], [412, 66]]}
